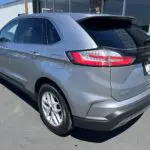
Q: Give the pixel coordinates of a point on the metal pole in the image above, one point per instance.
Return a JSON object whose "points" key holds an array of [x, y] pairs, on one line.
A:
{"points": [[102, 6], [26, 6], [124, 7], [53, 5], [70, 6], [45, 3]]}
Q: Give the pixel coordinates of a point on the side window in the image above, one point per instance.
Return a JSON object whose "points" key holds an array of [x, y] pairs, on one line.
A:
{"points": [[52, 35], [8, 32], [31, 31]]}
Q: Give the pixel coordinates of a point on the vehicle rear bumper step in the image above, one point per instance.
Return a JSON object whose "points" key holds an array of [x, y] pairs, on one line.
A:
{"points": [[116, 119]]}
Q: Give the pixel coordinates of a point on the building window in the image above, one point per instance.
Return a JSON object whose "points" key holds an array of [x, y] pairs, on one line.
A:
{"points": [[97, 6], [113, 7], [140, 10], [61, 5], [80, 5], [46, 5]]}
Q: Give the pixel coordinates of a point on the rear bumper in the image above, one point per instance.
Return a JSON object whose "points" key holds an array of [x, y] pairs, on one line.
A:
{"points": [[119, 116]]}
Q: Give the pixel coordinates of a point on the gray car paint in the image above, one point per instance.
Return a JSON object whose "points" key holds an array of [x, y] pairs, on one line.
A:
{"points": [[90, 91], [127, 82]]}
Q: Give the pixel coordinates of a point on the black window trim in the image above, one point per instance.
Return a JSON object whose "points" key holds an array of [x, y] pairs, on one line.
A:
{"points": [[56, 27], [49, 20], [5, 26], [26, 18]]}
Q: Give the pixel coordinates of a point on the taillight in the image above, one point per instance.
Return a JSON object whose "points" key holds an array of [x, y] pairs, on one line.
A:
{"points": [[99, 58]]}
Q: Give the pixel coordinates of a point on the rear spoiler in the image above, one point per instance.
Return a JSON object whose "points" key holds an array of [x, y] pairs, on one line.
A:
{"points": [[106, 22], [127, 18]]}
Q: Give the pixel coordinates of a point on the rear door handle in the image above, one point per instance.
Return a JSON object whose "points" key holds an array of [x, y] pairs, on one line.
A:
{"points": [[4, 47], [35, 53]]}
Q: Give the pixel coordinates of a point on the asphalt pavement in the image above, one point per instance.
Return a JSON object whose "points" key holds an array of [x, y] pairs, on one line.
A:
{"points": [[22, 129]]}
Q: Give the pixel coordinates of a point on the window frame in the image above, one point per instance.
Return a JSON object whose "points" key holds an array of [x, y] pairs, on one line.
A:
{"points": [[25, 18], [15, 21], [45, 19]]}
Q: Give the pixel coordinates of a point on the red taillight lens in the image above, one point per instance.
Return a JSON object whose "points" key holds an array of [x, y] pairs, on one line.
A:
{"points": [[100, 58]]}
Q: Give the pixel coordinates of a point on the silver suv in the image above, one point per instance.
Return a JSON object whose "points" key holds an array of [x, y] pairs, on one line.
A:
{"points": [[84, 70]]}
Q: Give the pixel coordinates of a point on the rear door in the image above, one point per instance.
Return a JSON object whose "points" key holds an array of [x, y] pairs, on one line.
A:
{"points": [[27, 51], [120, 34], [33, 39], [7, 35]]}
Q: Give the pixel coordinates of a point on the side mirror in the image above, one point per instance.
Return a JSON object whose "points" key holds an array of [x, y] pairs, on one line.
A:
{"points": [[2, 39]]}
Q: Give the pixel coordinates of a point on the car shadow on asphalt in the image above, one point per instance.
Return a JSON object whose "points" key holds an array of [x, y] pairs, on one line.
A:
{"points": [[19, 93], [99, 136], [80, 134]]}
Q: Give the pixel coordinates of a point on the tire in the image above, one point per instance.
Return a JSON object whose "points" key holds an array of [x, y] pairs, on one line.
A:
{"points": [[65, 125]]}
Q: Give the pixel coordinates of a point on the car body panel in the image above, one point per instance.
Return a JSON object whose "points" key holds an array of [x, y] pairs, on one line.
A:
{"points": [[81, 89], [91, 92], [4, 58], [127, 82]]}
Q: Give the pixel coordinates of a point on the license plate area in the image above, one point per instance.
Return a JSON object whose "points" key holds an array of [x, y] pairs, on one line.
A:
{"points": [[147, 68]]}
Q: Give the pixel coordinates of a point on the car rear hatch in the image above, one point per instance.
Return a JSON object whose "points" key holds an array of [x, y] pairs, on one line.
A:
{"points": [[122, 36]]}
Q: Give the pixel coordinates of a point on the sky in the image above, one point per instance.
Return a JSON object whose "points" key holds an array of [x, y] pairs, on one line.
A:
{"points": [[5, 1]]}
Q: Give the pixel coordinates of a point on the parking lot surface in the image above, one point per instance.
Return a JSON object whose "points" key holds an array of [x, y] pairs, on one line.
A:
{"points": [[22, 129]]}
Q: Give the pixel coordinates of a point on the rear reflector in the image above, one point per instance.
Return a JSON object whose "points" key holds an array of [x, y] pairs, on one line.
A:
{"points": [[99, 58]]}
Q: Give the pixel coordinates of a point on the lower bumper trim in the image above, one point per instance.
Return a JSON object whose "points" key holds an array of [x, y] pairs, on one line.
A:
{"points": [[115, 120]]}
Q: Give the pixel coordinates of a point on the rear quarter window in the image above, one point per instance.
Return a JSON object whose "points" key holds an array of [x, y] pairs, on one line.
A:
{"points": [[52, 34]]}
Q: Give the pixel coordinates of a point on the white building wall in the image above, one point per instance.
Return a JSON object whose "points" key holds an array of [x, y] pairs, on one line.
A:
{"points": [[10, 11]]}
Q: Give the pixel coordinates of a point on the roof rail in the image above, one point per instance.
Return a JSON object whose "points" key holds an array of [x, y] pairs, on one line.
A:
{"points": [[22, 14]]}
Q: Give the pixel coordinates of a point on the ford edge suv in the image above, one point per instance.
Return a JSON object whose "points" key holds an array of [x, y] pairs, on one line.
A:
{"points": [[84, 70]]}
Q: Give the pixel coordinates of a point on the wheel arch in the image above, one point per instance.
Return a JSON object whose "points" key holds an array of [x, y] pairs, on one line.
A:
{"points": [[44, 80]]}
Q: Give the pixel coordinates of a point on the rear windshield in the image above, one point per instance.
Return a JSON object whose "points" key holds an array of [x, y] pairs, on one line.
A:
{"points": [[114, 32]]}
